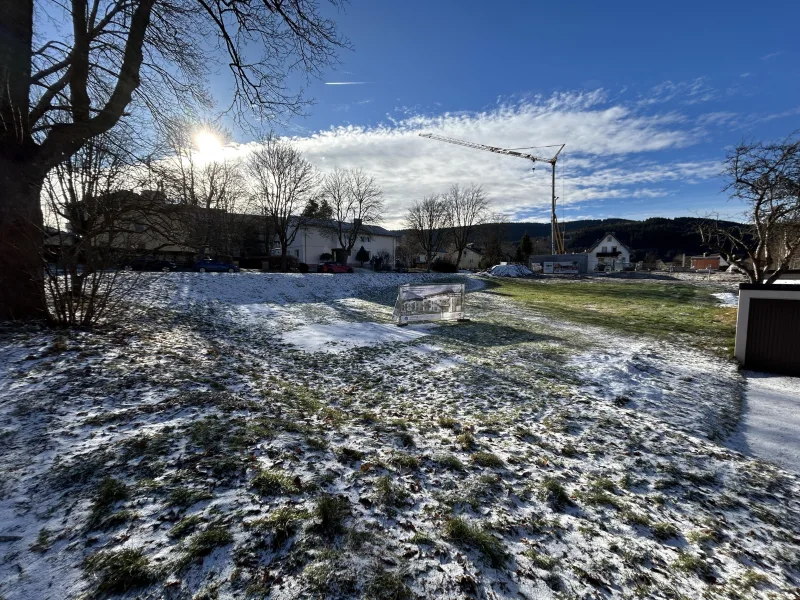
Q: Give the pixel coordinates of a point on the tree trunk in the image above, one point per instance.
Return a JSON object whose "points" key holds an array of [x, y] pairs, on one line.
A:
{"points": [[21, 242], [458, 258]]}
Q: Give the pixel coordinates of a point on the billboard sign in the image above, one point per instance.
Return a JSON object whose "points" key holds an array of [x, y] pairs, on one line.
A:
{"points": [[547, 266], [429, 302]]}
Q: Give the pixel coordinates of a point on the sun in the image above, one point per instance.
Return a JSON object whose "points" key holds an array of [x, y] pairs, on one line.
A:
{"points": [[208, 143]]}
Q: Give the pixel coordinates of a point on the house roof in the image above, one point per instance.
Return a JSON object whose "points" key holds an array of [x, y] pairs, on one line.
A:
{"points": [[602, 239], [332, 224]]}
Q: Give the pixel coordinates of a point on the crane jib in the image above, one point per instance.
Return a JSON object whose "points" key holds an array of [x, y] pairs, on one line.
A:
{"points": [[556, 235]]}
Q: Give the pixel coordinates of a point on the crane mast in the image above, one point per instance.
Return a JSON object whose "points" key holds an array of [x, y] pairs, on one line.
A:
{"points": [[556, 237]]}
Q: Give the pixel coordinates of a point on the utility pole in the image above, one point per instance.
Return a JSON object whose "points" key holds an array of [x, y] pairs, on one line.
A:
{"points": [[556, 239]]}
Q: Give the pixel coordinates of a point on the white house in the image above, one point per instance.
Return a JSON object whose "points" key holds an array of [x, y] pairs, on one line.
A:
{"points": [[610, 252], [470, 258], [318, 237]]}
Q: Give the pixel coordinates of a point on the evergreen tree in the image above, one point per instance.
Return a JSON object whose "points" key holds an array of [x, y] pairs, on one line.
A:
{"points": [[362, 255], [525, 248]]}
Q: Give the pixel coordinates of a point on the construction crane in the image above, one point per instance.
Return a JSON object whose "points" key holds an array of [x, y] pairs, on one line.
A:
{"points": [[556, 235]]}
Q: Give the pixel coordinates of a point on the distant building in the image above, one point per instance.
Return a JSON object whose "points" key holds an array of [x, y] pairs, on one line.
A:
{"points": [[608, 254], [708, 261], [470, 257], [317, 237]]}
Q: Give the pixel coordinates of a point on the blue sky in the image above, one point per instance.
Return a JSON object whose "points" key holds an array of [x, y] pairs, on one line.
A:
{"points": [[646, 96]]}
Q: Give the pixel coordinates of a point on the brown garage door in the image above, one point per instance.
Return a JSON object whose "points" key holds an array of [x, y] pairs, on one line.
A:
{"points": [[773, 336]]}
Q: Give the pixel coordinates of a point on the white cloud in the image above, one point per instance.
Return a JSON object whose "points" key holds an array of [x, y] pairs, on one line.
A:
{"points": [[602, 140], [772, 55], [684, 92], [346, 82]]}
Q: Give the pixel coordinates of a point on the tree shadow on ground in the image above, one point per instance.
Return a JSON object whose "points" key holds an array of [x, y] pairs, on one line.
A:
{"points": [[485, 334]]}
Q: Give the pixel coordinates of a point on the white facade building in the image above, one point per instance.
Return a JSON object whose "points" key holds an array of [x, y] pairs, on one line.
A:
{"points": [[318, 238], [610, 252]]}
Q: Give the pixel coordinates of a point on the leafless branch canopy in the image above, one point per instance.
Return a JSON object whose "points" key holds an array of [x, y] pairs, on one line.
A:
{"points": [[467, 208], [156, 54], [284, 182], [355, 200], [766, 177], [426, 220]]}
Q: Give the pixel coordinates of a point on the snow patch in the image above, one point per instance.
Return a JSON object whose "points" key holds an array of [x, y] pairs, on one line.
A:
{"points": [[338, 337], [727, 299], [771, 419]]}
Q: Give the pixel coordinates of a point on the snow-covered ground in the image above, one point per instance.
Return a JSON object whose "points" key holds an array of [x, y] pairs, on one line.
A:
{"points": [[770, 425], [274, 436]]}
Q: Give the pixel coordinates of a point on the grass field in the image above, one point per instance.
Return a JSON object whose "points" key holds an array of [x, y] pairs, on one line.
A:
{"points": [[681, 312], [275, 436]]}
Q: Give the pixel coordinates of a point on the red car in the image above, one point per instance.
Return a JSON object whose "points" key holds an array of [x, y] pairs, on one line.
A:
{"points": [[332, 267]]}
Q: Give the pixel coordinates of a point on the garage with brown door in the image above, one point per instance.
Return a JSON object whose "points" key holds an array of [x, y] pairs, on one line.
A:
{"points": [[768, 328]]}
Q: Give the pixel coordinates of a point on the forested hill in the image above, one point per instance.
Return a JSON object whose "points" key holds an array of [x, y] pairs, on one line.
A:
{"points": [[663, 238], [660, 237]]}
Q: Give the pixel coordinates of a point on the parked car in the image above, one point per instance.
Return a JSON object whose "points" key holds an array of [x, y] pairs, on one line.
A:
{"points": [[144, 263], [332, 267], [215, 266]]}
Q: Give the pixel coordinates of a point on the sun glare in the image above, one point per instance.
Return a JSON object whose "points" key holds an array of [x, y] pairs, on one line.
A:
{"points": [[208, 143]]}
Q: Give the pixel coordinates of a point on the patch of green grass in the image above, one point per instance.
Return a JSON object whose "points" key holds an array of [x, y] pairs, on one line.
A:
{"points": [[109, 492], [594, 498], [118, 518], [540, 560], [569, 450], [635, 518], [386, 585], [43, 541], [664, 531], [184, 497], [284, 522], [633, 307], [487, 459], [275, 483], [450, 461], [691, 563], [205, 542], [345, 454], [330, 513], [448, 423], [422, 539], [405, 461], [406, 439], [466, 441], [185, 526], [463, 532], [388, 493], [120, 571], [554, 494]]}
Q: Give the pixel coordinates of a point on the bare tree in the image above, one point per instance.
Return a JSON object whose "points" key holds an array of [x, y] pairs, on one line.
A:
{"points": [[284, 182], [468, 208], [766, 176], [108, 58], [494, 235], [92, 220], [426, 220], [355, 200], [209, 189], [407, 251]]}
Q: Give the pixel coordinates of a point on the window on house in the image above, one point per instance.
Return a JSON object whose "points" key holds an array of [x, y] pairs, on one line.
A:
{"points": [[609, 239], [613, 248], [604, 249], [297, 253]]}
